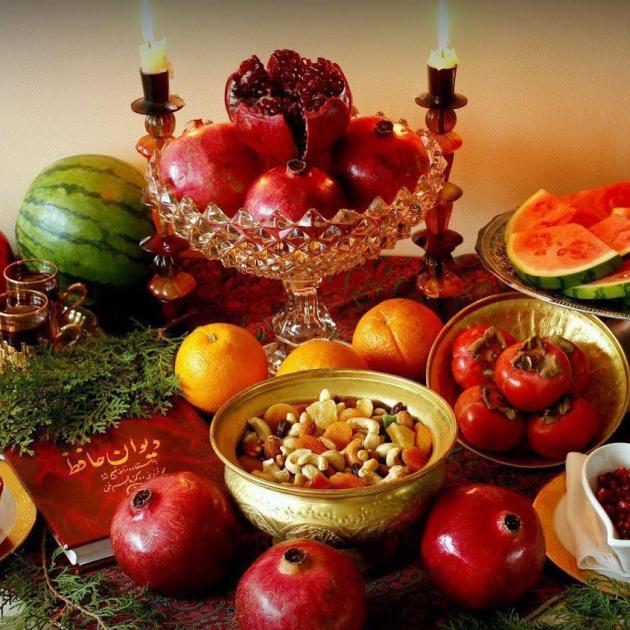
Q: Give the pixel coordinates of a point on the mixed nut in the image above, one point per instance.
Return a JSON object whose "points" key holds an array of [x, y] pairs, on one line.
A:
{"points": [[334, 443]]}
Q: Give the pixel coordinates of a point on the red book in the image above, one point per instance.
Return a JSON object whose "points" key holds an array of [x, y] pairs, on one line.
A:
{"points": [[77, 489]]}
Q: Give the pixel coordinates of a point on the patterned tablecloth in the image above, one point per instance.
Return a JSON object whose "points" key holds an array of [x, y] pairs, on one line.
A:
{"points": [[400, 595]]}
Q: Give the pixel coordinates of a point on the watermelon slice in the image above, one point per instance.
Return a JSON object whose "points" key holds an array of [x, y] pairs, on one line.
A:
{"points": [[560, 256], [541, 210], [613, 286], [595, 204], [615, 232]]}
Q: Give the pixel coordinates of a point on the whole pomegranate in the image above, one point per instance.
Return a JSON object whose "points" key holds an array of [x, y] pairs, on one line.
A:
{"points": [[209, 164], [483, 546], [292, 190], [294, 107], [175, 535], [377, 157], [301, 585]]}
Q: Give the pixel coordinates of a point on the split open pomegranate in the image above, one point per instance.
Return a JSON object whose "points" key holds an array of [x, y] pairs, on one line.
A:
{"points": [[295, 107]]}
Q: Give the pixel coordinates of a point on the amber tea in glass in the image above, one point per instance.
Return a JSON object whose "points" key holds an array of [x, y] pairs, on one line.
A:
{"points": [[24, 318], [42, 275]]}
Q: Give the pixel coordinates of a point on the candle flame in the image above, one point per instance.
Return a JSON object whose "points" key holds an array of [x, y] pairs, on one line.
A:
{"points": [[146, 21], [443, 39]]}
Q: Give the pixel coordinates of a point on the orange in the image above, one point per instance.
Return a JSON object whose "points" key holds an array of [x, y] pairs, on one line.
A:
{"points": [[395, 337], [217, 361], [321, 353]]}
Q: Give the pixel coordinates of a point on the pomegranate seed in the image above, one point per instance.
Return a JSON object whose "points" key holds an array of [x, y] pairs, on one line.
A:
{"points": [[613, 493]]}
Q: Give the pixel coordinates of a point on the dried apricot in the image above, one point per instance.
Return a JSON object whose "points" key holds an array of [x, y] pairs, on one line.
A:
{"points": [[310, 442], [342, 480], [278, 412], [318, 482], [340, 433], [250, 464], [350, 412], [423, 439], [414, 458]]}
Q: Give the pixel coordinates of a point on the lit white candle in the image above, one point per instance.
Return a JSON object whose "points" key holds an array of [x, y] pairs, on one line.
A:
{"points": [[444, 56], [153, 59]]}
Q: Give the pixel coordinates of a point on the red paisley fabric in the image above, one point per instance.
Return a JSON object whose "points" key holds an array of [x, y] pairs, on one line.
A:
{"points": [[400, 595]]}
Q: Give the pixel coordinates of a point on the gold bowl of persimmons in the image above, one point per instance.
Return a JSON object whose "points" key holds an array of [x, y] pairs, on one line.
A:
{"points": [[529, 381]]}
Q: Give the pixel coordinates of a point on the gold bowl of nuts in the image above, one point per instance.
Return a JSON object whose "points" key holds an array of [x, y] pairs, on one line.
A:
{"points": [[348, 457]]}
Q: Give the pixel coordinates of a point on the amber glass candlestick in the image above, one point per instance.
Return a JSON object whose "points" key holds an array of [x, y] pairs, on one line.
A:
{"points": [[170, 285], [439, 276]]}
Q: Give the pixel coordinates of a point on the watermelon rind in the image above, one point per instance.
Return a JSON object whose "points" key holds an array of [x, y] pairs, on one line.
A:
{"points": [[604, 289], [556, 212], [558, 278]]}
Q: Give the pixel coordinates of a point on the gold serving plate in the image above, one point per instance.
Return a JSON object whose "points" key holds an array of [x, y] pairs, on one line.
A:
{"points": [[492, 253], [523, 316], [343, 518]]}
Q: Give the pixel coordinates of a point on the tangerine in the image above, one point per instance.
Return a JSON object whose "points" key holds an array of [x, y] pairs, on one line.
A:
{"points": [[321, 353], [217, 361], [395, 336]]}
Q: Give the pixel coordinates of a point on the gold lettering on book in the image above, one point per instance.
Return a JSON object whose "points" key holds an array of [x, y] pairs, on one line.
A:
{"points": [[118, 458]]}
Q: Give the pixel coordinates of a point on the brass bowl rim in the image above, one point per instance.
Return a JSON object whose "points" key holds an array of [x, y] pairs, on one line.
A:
{"points": [[513, 295], [253, 391]]}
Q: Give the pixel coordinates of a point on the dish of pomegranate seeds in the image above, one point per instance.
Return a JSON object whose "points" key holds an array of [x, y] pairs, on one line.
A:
{"points": [[613, 493], [334, 444]]}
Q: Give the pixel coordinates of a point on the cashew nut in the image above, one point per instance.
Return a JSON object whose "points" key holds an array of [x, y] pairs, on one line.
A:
{"points": [[260, 426], [371, 426], [299, 480], [370, 464], [335, 458], [310, 471], [270, 467], [250, 436], [291, 417], [383, 449], [304, 417], [340, 407], [363, 455], [288, 445], [291, 462], [351, 450], [393, 457], [295, 430], [396, 472], [372, 441], [313, 459], [379, 411], [370, 477]]}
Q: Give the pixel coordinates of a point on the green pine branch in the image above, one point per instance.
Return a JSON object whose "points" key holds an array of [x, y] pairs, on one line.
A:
{"points": [[48, 595], [82, 390]]}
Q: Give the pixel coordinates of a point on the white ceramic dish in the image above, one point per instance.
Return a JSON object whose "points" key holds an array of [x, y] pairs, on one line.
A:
{"points": [[602, 460]]}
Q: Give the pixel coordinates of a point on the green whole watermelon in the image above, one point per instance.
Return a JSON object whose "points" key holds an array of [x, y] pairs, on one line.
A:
{"points": [[84, 213]]}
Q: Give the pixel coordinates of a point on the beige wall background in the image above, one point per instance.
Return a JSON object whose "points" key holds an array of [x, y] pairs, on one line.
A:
{"points": [[548, 82]]}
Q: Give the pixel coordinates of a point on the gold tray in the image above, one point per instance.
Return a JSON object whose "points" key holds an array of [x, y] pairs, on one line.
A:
{"points": [[25, 512], [491, 251], [608, 389]]}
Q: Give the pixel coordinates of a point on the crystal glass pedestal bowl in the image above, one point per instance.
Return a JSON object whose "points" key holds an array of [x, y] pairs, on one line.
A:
{"points": [[300, 253]]}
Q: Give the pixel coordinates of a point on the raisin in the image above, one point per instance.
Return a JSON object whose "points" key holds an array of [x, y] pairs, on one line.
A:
{"points": [[356, 468], [398, 407], [282, 428]]}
